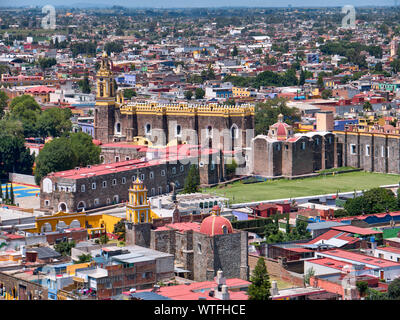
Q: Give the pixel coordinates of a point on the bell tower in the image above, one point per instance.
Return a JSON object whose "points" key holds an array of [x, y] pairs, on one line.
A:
{"points": [[138, 208], [104, 117]]}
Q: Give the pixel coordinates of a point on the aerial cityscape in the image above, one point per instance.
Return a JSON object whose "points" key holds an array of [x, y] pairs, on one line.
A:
{"points": [[200, 152]]}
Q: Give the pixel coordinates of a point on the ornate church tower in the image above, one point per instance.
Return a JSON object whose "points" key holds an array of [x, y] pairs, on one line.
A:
{"points": [[138, 208], [104, 116], [138, 216]]}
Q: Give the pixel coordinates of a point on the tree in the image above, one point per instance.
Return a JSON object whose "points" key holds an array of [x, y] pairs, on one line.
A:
{"points": [[6, 197], [394, 289], [260, 286], [230, 168], [234, 51], [14, 156], [129, 93], [114, 46], [84, 85], [64, 248], [84, 258], [3, 103], [85, 151], [367, 106], [320, 81], [199, 93], [104, 238], [56, 155], [64, 153], [25, 109], [188, 94], [12, 199], [362, 287], [372, 201], [119, 228], [288, 224], [395, 64], [327, 93], [46, 63], [266, 114], [192, 180], [54, 122]]}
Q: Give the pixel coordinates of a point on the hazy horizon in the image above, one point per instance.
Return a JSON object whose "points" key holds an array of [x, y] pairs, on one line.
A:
{"points": [[157, 4]]}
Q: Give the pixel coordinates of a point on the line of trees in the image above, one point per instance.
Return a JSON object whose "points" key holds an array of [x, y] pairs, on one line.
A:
{"points": [[375, 200]]}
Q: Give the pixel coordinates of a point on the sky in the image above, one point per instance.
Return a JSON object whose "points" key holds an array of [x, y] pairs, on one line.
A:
{"points": [[203, 3]]}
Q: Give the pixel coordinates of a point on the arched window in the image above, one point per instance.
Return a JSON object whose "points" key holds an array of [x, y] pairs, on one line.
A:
{"points": [[118, 128], [234, 131], [147, 128], [178, 130]]}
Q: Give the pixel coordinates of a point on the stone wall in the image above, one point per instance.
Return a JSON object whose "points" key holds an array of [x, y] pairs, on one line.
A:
{"points": [[276, 269], [21, 289]]}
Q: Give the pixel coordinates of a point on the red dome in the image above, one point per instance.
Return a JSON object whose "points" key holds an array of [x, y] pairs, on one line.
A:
{"points": [[213, 225], [96, 142]]}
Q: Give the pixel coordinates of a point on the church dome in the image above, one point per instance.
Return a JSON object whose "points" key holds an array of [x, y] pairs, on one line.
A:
{"points": [[214, 225], [280, 130]]}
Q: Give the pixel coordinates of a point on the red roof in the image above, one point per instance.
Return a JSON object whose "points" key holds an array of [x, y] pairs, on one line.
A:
{"points": [[358, 230], [40, 89], [213, 225], [331, 263], [335, 234], [360, 258], [195, 290]]}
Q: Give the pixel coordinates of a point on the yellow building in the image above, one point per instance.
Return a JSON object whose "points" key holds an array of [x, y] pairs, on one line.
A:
{"points": [[94, 223], [138, 209], [238, 92]]}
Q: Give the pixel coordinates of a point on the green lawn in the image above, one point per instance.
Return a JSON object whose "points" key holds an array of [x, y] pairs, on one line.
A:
{"points": [[278, 189]]}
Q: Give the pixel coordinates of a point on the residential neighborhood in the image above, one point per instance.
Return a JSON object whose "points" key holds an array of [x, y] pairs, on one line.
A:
{"points": [[199, 153]]}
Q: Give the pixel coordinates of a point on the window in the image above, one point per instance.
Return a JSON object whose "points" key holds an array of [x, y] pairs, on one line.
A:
{"points": [[117, 159], [116, 199], [199, 248], [159, 190], [123, 180], [142, 177], [173, 170], [151, 175], [46, 203], [104, 184], [108, 201], [153, 191], [303, 145], [114, 182], [367, 150], [162, 173], [178, 130], [117, 128], [278, 147], [182, 168], [96, 202], [388, 152], [133, 178], [127, 158], [234, 132], [353, 149], [383, 151], [209, 131], [286, 147], [83, 188], [147, 128], [94, 185]]}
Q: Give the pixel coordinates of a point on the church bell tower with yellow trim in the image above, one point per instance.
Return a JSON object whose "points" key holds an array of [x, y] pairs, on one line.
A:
{"points": [[104, 117], [138, 208]]}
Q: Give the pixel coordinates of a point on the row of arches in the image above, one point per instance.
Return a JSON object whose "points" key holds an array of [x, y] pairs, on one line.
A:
{"points": [[47, 227], [234, 130]]}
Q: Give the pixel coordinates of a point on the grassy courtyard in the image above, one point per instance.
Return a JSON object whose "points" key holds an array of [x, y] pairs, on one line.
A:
{"points": [[239, 192]]}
